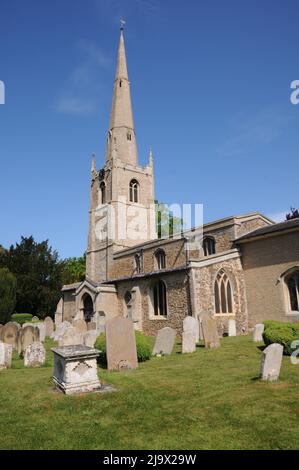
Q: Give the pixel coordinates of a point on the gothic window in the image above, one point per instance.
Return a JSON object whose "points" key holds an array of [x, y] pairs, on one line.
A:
{"points": [[137, 261], [223, 294], [209, 246], [103, 192], [134, 191], [129, 136], [292, 282], [160, 300], [160, 259]]}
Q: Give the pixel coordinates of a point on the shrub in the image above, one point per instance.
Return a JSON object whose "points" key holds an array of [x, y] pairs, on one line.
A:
{"points": [[142, 345], [8, 289], [21, 318], [281, 333]]}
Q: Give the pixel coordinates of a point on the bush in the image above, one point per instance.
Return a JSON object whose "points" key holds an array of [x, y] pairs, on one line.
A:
{"points": [[8, 289], [21, 318], [281, 333], [142, 345]]}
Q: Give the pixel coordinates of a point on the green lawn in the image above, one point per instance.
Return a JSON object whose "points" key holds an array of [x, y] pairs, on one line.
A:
{"points": [[211, 399]]}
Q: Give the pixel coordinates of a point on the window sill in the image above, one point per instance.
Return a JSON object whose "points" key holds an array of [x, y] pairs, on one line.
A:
{"points": [[224, 314], [158, 317]]}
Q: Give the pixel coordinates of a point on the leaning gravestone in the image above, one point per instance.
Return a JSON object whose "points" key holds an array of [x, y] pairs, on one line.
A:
{"points": [[49, 324], [210, 333], [34, 355], [90, 337], [188, 341], [80, 326], [70, 337], [258, 332], [9, 334], [232, 327], [121, 344], [165, 341], [5, 355], [271, 362], [28, 335], [191, 324]]}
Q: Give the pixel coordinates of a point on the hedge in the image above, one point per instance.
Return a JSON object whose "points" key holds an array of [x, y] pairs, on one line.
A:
{"points": [[21, 317], [142, 345], [281, 333]]}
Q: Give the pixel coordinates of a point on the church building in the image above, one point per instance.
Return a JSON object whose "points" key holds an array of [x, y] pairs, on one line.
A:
{"points": [[245, 267]]}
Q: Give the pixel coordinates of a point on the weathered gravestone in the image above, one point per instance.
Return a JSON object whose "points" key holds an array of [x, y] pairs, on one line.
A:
{"points": [[121, 344], [60, 330], [58, 313], [80, 326], [34, 355], [210, 333], [35, 318], [188, 341], [75, 369], [258, 332], [90, 337], [271, 362], [200, 316], [70, 337], [42, 331], [49, 324], [5, 355], [191, 324], [232, 327], [28, 335], [100, 319], [164, 341], [9, 334], [91, 326]]}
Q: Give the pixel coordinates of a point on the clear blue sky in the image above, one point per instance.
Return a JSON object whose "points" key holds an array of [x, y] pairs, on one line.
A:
{"points": [[211, 94]]}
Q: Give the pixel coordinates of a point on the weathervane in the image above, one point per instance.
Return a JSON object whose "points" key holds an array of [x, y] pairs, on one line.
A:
{"points": [[122, 24]]}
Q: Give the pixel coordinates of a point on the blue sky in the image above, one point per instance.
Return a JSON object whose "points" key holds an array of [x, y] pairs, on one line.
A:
{"points": [[211, 94]]}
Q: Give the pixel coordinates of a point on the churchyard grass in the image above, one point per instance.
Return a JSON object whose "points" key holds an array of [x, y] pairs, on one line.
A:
{"points": [[210, 399]]}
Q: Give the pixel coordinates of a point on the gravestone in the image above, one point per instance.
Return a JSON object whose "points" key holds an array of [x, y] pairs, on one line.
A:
{"points": [[60, 330], [258, 332], [17, 324], [35, 318], [34, 354], [232, 327], [70, 337], [75, 369], [5, 355], [121, 344], [90, 337], [28, 335], [49, 324], [191, 324], [210, 333], [91, 326], [188, 341], [164, 341], [271, 362], [80, 326], [100, 319], [201, 315], [42, 331], [59, 313], [9, 334]]}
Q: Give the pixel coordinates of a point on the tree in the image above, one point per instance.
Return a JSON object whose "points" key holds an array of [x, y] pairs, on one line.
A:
{"points": [[167, 224], [39, 276], [8, 287], [294, 214], [74, 269]]}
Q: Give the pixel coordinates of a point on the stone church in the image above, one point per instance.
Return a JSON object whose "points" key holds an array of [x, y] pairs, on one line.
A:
{"points": [[245, 267]]}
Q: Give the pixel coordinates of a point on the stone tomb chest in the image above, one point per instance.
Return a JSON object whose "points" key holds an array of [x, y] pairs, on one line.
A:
{"points": [[75, 369]]}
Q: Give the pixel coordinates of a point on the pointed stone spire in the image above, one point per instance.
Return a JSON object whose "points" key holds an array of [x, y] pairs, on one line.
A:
{"points": [[93, 167], [121, 131], [150, 159]]}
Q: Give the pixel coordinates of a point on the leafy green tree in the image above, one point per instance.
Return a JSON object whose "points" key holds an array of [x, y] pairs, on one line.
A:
{"points": [[39, 276], [8, 287], [167, 224], [294, 214], [74, 269]]}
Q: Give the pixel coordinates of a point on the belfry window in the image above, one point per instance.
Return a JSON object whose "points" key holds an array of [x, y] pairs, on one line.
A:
{"points": [[223, 294], [209, 246], [292, 283], [160, 299], [160, 259], [129, 136], [134, 191], [120, 83], [103, 192]]}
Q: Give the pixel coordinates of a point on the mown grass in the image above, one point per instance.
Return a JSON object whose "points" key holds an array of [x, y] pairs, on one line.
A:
{"points": [[211, 399]]}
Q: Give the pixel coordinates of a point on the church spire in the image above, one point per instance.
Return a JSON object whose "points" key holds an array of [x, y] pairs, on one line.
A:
{"points": [[121, 130]]}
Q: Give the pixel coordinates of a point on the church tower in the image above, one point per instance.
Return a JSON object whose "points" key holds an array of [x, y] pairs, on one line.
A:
{"points": [[122, 212]]}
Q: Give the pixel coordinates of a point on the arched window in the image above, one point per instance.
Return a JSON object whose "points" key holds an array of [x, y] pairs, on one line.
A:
{"points": [[223, 294], [160, 259], [103, 192], [209, 247], [137, 260], [134, 191], [292, 282], [87, 307], [129, 136], [159, 298]]}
